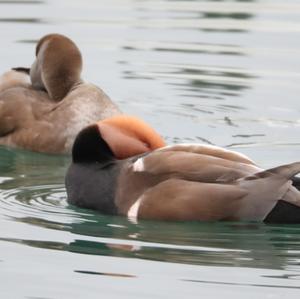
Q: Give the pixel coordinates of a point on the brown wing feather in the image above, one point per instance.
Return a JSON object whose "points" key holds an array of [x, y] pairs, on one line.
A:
{"points": [[194, 186], [210, 150], [192, 166], [177, 199]]}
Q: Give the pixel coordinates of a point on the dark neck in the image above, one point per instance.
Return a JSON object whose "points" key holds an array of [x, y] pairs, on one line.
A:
{"points": [[93, 186]]}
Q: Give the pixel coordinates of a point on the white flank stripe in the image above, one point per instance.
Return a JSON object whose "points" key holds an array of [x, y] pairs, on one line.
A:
{"points": [[132, 213], [138, 165]]}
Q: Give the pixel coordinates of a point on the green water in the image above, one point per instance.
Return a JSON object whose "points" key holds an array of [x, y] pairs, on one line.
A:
{"points": [[217, 72]]}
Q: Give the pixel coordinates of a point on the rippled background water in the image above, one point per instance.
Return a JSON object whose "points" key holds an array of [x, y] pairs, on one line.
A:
{"points": [[217, 72]]}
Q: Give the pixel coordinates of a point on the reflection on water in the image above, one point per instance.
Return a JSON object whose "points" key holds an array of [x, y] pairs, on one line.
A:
{"points": [[106, 274], [231, 245], [217, 72], [12, 20], [11, 2]]}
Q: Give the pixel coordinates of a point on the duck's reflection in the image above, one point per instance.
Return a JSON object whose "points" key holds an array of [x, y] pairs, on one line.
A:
{"points": [[221, 244]]}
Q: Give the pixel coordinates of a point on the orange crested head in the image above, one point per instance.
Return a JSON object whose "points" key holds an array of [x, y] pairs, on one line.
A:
{"points": [[128, 136]]}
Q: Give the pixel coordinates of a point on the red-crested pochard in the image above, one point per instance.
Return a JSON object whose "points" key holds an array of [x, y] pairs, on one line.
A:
{"points": [[122, 166], [43, 108]]}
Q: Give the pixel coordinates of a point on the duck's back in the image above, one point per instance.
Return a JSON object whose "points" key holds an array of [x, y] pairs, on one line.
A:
{"points": [[84, 105], [22, 112], [31, 120]]}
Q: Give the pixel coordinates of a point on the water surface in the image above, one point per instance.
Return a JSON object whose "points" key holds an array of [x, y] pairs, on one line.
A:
{"points": [[215, 72]]}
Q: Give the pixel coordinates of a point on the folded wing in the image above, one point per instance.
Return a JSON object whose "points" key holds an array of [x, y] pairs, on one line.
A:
{"points": [[204, 183]]}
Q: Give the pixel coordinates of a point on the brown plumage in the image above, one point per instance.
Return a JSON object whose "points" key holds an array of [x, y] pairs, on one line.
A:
{"points": [[46, 113], [57, 67], [180, 182]]}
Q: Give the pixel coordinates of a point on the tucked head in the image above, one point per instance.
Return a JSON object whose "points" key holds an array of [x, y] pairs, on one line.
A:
{"points": [[119, 137], [57, 67]]}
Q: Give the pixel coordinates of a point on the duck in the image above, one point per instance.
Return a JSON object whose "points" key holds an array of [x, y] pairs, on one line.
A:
{"points": [[122, 166], [44, 107], [15, 77]]}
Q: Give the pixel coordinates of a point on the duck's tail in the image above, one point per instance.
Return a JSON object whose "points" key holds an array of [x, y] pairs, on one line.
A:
{"points": [[271, 195], [287, 209], [284, 213], [296, 182]]}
